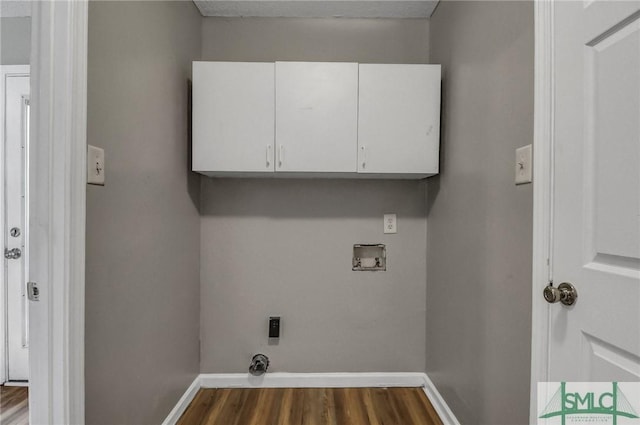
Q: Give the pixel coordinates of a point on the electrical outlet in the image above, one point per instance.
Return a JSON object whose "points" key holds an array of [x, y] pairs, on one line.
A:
{"points": [[524, 165], [390, 223], [95, 165]]}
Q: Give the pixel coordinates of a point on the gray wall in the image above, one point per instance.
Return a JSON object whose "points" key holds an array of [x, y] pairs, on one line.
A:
{"points": [[480, 223], [143, 235], [15, 41], [345, 40], [284, 247]]}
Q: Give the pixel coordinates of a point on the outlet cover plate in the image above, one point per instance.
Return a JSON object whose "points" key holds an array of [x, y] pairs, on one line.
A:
{"points": [[390, 223], [95, 165], [524, 169]]}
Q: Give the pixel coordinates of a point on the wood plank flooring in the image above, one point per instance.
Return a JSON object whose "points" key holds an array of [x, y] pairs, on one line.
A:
{"points": [[310, 406], [14, 405]]}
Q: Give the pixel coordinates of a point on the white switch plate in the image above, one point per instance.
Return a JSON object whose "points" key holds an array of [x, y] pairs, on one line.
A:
{"points": [[95, 165], [390, 223], [523, 165]]}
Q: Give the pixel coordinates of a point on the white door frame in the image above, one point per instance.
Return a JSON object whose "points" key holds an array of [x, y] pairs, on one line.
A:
{"points": [[57, 206], [58, 161], [5, 71], [543, 144]]}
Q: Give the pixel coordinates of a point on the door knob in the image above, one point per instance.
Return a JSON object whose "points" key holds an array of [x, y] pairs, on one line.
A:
{"points": [[12, 254], [565, 293]]}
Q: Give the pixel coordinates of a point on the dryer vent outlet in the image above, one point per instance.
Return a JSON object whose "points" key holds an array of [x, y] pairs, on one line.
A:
{"points": [[259, 365]]}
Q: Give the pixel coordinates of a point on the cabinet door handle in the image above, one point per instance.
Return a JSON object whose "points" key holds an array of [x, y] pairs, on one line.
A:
{"points": [[268, 155], [280, 156], [364, 156]]}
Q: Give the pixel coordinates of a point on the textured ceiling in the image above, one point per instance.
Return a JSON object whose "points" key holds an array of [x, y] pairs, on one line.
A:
{"points": [[318, 8]]}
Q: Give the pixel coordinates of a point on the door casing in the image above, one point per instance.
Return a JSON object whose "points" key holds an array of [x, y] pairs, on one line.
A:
{"points": [[57, 186], [64, 339], [543, 145], [61, 27]]}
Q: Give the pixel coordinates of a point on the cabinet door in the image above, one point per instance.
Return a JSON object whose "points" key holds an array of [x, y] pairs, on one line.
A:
{"points": [[399, 119], [316, 116], [233, 117]]}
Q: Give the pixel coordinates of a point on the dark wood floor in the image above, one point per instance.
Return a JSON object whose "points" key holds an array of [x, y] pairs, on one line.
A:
{"points": [[310, 406], [14, 405]]}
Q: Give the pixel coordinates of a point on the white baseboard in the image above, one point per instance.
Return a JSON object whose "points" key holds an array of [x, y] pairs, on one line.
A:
{"points": [[16, 384], [311, 380], [183, 403], [441, 407], [314, 380]]}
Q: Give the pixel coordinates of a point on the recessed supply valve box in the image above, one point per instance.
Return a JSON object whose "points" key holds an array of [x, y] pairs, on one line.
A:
{"points": [[369, 257]]}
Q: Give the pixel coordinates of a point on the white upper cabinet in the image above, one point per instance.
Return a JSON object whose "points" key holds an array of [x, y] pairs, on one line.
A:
{"points": [[316, 117], [313, 119], [399, 119], [233, 117]]}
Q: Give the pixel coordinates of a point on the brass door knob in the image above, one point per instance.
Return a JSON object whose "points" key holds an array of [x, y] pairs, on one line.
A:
{"points": [[565, 293]]}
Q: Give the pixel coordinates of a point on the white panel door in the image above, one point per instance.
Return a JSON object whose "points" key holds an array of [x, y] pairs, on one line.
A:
{"points": [[16, 126], [596, 243], [233, 116], [316, 116], [398, 118]]}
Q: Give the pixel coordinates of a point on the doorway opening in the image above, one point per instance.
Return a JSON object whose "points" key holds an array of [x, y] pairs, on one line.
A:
{"points": [[14, 306]]}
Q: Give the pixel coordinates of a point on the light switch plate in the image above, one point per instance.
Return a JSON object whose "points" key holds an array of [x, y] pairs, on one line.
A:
{"points": [[95, 165], [524, 165], [390, 223]]}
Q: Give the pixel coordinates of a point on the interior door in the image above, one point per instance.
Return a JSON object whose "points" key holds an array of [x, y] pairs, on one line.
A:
{"points": [[15, 214], [596, 236]]}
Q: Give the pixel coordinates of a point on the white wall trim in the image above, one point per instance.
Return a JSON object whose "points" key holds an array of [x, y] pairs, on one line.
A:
{"points": [[5, 71], [542, 195], [441, 406], [184, 402], [57, 207], [314, 380], [16, 384]]}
